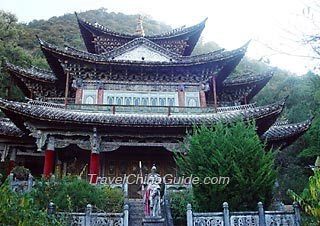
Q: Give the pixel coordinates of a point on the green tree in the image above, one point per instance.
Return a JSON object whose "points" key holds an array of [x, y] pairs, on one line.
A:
{"points": [[233, 151], [309, 199]]}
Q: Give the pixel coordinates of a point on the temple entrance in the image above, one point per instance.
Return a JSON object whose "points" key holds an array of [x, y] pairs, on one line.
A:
{"points": [[127, 161], [72, 160]]}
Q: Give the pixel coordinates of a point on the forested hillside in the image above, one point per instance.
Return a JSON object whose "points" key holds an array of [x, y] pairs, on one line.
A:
{"points": [[19, 45]]}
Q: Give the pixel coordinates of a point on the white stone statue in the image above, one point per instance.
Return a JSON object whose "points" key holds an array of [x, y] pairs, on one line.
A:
{"points": [[152, 194]]}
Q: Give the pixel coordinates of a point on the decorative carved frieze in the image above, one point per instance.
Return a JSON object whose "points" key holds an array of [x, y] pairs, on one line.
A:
{"points": [[40, 136], [50, 144], [95, 141]]}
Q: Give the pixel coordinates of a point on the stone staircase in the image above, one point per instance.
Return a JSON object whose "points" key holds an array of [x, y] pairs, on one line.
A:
{"points": [[136, 212]]}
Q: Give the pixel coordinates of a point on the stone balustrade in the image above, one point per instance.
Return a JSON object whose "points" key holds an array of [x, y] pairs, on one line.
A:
{"points": [[248, 218]]}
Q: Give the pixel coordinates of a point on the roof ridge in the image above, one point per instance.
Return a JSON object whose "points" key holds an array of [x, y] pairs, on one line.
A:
{"points": [[173, 32]]}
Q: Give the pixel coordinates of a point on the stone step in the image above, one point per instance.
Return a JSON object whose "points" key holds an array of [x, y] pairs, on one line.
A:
{"points": [[136, 211]]}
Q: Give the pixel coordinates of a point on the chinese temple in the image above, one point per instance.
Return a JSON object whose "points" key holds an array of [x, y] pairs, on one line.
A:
{"points": [[127, 102]]}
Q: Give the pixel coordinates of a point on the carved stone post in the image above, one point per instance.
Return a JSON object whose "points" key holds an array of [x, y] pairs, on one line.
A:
{"points": [[51, 208], [49, 158], [126, 215], [189, 215], [10, 177], [87, 220], [226, 214], [30, 182], [297, 215], [262, 217]]}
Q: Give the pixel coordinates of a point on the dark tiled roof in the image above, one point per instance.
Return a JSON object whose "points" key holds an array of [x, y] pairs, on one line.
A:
{"points": [[283, 130], [8, 128], [247, 79], [214, 56], [33, 73], [59, 115], [188, 36], [174, 32]]}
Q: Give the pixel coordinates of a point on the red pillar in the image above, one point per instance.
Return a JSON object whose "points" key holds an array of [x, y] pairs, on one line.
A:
{"points": [[181, 98], [78, 99], [100, 96], [94, 167], [245, 99], [202, 97], [49, 159], [214, 92]]}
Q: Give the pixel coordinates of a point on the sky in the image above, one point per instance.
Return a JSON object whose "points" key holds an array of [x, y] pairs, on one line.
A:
{"points": [[230, 24]]}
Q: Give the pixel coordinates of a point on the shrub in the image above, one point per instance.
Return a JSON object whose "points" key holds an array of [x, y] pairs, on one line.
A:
{"points": [[72, 195], [231, 151], [20, 209], [309, 199], [20, 173], [179, 201]]}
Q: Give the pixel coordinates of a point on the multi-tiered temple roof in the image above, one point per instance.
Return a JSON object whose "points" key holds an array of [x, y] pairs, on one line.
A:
{"points": [[100, 39], [136, 89]]}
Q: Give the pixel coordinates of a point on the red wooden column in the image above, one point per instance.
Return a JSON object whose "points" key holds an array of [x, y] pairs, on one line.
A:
{"points": [[94, 167], [214, 92], [12, 160], [202, 97], [181, 98], [100, 96], [78, 99], [245, 99], [49, 158]]}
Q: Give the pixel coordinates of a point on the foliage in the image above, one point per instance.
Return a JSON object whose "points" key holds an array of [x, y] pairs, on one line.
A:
{"points": [[309, 199], [312, 144], [72, 195], [20, 172], [21, 210], [233, 151], [179, 201]]}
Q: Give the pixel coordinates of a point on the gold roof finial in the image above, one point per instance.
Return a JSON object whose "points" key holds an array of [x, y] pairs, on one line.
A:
{"points": [[139, 30]]}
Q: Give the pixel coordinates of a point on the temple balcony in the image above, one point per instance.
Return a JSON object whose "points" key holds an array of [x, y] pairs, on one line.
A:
{"points": [[165, 110]]}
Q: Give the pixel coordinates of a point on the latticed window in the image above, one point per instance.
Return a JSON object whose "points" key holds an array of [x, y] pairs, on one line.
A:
{"points": [[145, 101], [162, 101], [110, 100], [171, 101], [136, 101], [192, 102], [154, 101], [119, 100], [127, 100], [89, 100]]}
